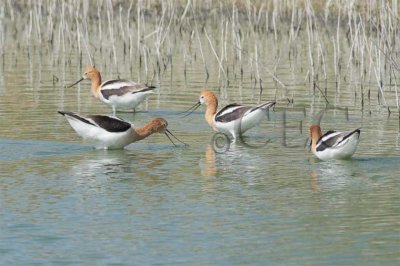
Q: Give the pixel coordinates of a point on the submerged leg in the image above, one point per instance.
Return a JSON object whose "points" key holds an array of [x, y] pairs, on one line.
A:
{"points": [[234, 137]]}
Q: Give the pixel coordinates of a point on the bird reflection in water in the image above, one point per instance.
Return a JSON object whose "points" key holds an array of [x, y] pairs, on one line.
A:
{"points": [[208, 167], [332, 175], [314, 181]]}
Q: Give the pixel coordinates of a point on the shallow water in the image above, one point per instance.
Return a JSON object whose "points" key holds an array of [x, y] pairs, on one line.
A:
{"points": [[266, 201]]}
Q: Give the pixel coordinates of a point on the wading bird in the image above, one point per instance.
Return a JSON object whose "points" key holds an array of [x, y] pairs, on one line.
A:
{"points": [[116, 92], [233, 119], [333, 144], [107, 132]]}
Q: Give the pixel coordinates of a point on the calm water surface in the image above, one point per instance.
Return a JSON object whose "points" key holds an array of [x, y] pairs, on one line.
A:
{"points": [[64, 203]]}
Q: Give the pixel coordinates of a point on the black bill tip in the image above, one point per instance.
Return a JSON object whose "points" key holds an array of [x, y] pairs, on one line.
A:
{"points": [[169, 135], [191, 109], [74, 83]]}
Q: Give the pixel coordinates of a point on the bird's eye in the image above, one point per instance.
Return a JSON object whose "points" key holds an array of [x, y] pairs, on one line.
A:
{"points": [[202, 97]]}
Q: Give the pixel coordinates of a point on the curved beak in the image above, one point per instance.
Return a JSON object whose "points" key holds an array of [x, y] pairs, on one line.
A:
{"points": [[75, 83], [191, 109], [172, 135]]}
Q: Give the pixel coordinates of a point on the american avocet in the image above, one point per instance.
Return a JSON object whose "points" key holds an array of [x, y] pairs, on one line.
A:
{"points": [[116, 92], [108, 132], [333, 144], [233, 119]]}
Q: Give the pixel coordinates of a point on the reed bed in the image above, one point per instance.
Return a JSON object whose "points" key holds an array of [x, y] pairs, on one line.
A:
{"points": [[335, 45]]}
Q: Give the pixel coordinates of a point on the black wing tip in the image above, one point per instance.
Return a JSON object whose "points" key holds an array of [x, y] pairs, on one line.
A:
{"points": [[64, 113], [358, 131], [264, 106], [150, 87], [269, 104]]}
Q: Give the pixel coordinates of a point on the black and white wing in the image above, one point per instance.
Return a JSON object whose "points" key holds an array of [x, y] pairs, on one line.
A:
{"points": [[88, 125], [231, 113], [122, 87], [333, 139]]}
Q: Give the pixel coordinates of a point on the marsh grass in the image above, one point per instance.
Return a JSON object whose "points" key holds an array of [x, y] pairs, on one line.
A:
{"points": [[353, 44]]}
